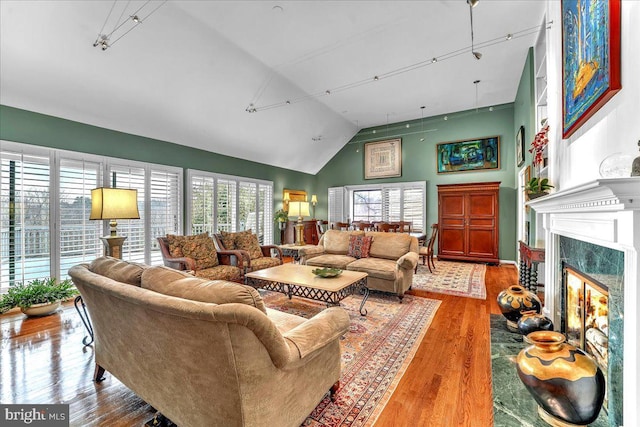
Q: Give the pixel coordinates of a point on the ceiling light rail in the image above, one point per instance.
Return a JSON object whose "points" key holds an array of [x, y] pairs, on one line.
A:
{"points": [[120, 29], [253, 108]]}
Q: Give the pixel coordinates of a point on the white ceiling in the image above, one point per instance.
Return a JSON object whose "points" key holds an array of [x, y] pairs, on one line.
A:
{"points": [[188, 73]]}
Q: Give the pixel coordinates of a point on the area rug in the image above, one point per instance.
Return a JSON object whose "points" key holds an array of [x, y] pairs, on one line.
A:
{"points": [[463, 279], [375, 352]]}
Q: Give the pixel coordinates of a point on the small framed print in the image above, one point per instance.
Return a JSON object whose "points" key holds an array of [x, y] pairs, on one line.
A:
{"points": [[520, 146], [383, 159]]}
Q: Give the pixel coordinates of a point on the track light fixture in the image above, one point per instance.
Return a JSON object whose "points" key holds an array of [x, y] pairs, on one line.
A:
{"points": [[472, 4], [122, 28]]}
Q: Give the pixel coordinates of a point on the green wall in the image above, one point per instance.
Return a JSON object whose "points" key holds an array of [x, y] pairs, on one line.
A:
{"points": [[48, 131], [419, 161]]}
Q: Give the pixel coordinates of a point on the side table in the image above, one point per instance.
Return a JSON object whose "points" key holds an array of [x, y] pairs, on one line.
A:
{"points": [[529, 259]]}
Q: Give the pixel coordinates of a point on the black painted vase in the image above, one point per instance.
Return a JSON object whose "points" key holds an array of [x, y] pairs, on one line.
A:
{"points": [[566, 383], [514, 300], [532, 321]]}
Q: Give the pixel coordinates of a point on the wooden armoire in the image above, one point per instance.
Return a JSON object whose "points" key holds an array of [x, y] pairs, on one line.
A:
{"points": [[468, 217]]}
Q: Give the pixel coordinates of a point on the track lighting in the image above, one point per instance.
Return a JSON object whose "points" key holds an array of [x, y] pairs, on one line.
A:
{"points": [[477, 55], [472, 3], [121, 27]]}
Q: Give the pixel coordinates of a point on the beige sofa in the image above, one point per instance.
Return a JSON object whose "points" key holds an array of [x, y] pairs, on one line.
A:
{"points": [[390, 265], [231, 362]]}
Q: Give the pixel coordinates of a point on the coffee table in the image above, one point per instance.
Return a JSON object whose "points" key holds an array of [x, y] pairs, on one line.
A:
{"points": [[298, 280]]}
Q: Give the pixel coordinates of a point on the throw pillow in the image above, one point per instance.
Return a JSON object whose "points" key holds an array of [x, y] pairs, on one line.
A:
{"points": [[249, 242], [359, 246], [228, 240], [201, 249], [175, 245]]}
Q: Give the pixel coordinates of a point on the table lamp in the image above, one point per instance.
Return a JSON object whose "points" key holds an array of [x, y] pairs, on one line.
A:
{"points": [[113, 204], [299, 209]]}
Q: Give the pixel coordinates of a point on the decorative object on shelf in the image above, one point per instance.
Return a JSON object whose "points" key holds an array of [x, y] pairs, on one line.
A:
{"points": [[520, 146], [616, 165], [468, 155], [635, 167], [538, 145], [567, 384], [532, 321], [326, 272], [39, 297], [537, 187], [314, 202], [383, 159], [590, 59], [281, 217], [513, 301], [299, 209]]}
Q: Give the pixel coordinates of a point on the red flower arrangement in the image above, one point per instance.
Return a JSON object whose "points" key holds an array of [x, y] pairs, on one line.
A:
{"points": [[539, 143]]}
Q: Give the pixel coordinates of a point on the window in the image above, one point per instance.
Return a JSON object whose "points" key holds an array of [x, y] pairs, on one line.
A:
{"points": [[45, 200], [384, 202], [229, 203]]}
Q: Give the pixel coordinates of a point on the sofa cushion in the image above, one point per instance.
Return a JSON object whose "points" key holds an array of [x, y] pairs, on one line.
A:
{"points": [[220, 272], [389, 245], [378, 268], [264, 262], [249, 242], [161, 274], [118, 270], [331, 260], [337, 242], [201, 249], [359, 246], [197, 289]]}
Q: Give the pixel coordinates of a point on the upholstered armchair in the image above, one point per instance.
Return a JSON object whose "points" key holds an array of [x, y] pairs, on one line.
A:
{"points": [[255, 256], [201, 257]]}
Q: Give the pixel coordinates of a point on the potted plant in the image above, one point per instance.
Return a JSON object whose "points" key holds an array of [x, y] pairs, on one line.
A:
{"points": [[39, 297], [537, 187], [281, 218]]}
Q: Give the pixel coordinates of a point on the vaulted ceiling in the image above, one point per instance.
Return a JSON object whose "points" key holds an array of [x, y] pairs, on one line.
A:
{"points": [[190, 70]]}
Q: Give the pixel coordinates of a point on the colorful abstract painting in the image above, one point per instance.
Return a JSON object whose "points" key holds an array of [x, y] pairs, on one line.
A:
{"points": [[590, 58], [469, 155]]}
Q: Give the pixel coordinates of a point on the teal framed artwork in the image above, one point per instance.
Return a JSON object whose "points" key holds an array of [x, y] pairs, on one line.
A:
{"points": [[468, 155]]}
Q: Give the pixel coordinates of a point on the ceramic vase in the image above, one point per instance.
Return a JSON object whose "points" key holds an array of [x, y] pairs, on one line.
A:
{"points": [[44, 309], [532, 321], [514, 300], [566, 383]]}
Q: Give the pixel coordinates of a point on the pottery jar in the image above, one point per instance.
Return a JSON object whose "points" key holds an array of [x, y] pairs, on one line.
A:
{"points": [[566, 383], [532, 321], [514, 300]]}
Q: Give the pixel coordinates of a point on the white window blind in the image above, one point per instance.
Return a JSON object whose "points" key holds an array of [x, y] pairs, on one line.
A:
{"points": [[265, 211], [25, 235], [336, 203], [202, 200], [165, 213], [413, 204], [392, 204], [247, 212], [226, 201], [79, 237]]}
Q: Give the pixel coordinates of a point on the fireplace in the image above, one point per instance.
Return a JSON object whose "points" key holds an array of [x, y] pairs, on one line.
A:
{"points": [[594, 229]]}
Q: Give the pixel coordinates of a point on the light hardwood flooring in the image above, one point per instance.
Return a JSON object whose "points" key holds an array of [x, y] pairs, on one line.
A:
{"points": [[448, 383]]}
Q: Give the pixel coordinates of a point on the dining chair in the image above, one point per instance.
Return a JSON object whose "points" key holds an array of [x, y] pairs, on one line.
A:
{"points": [[426, 251]]}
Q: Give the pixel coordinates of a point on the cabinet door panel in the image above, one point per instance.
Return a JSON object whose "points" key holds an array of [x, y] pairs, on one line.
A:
{"points": [[451, 241], [482, 204], [452, 205], [482, 222], [482, 243]]}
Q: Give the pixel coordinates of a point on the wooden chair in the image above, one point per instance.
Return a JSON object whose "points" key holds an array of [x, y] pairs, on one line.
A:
{"points": [[405, 226], [339, 225], [387, 227], [362, 225], [230, 264], [426, 251], [271, 255]]}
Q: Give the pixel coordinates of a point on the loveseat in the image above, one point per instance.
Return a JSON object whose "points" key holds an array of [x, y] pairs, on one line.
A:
{"points": [[208, 353], [390, 262]]}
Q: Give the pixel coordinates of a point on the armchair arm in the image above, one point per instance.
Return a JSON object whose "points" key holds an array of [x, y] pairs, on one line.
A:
{"points": [[183, 263], [226, 258], [408, 261], [311, 252], [317, 332], [266, 251]]}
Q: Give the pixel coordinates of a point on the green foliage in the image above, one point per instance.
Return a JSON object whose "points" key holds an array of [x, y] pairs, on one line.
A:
{"points": [[537, 185], [280, 216], [37, 291]]}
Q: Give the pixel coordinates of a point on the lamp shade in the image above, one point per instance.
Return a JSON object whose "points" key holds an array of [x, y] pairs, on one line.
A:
{"points": [[299, 209], [114, 203], [314, 199], [286, 197]]}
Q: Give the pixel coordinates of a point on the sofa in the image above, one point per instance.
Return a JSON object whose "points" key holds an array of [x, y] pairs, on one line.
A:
{"points": [[208, 353], [390, 264]]}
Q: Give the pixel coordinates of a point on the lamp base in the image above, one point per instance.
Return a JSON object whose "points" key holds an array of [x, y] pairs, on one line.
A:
{"points": [[113, 246], [299, 234]]}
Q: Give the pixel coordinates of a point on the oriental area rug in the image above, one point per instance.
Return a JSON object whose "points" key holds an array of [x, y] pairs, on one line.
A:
{"points": [[375, 352], [462, 279]]}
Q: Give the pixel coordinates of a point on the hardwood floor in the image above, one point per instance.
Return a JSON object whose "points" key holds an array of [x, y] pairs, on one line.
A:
{"points": [[448, 383]]}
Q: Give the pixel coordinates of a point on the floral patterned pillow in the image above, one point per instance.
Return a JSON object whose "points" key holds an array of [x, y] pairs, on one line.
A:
{"points": [[359, 245], [228, 240], [175, 245], [202, 249], [248, 241]]}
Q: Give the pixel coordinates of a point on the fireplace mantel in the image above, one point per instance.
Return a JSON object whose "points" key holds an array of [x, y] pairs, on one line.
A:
{"points": [[604, 212]]}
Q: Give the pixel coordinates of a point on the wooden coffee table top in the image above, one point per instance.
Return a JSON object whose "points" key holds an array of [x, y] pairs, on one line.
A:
{"points": [[301, 275]]}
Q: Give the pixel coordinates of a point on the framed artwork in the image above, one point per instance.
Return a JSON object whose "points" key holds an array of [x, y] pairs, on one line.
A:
{"points": [[468, 155], [590, 59], [383, 159], [520, 146]]}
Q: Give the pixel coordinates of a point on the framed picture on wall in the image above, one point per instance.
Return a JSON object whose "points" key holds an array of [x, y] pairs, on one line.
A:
{"points": [[520, 146], [590, 59], [468, 155], [383, 159]]}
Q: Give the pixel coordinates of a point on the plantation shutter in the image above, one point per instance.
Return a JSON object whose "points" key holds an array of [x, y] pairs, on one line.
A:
{"points": [[165, 213], [391, 204], [79, 237], [335, 199], [247, 207], [414, 207], [265, 213], [134, 229], [226, 202]]}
